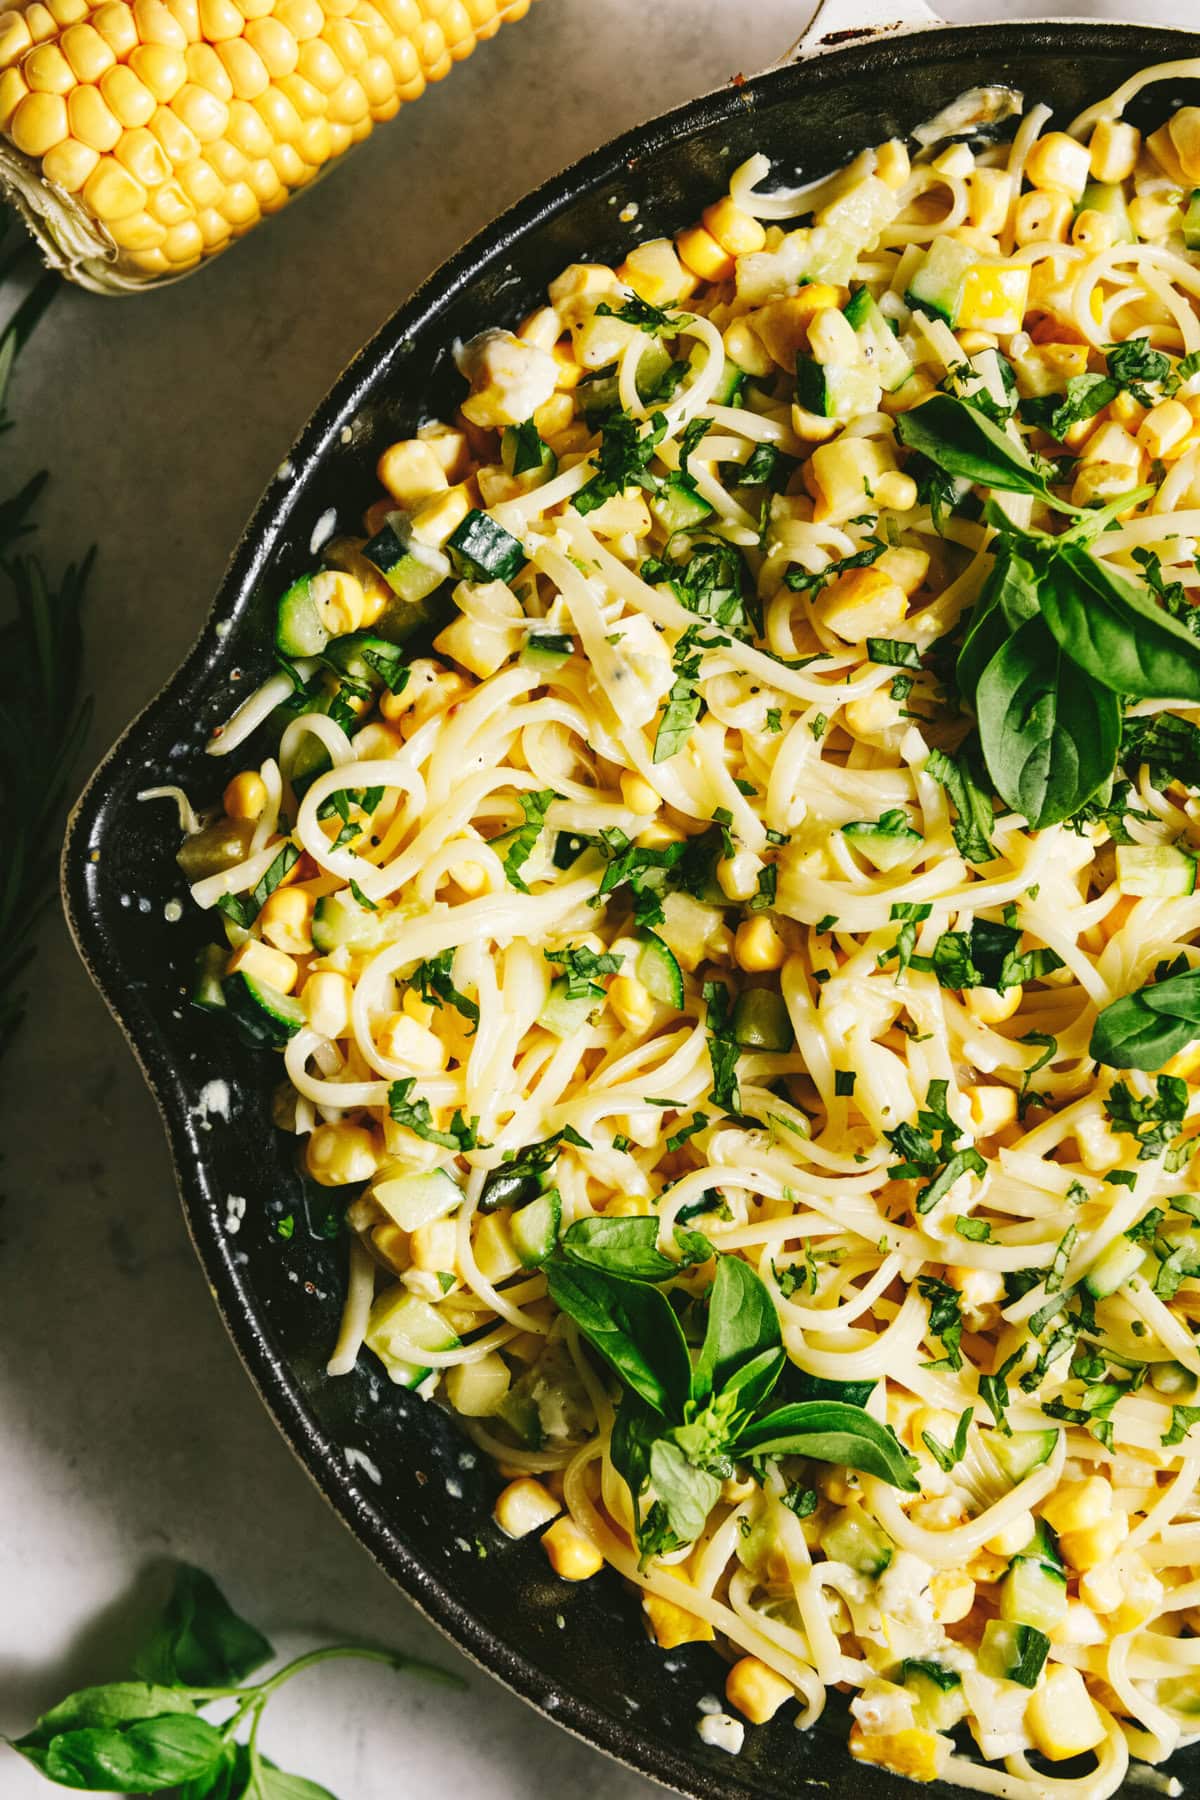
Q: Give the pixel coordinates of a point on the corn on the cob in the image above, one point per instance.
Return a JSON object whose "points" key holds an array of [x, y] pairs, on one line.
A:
{"points": [[141, 139]]}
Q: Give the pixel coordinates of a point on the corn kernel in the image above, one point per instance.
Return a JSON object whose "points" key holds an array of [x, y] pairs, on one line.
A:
{"points": [[758, 947], [1058, 163], [275, 968], [756, 1690], [1164, 428], [524, 1506], [572, 1554], [1013, 1537], [744, 347], [69, 164], [1184, 129], [990, 1006], [245, 797], [892, 163], [338, 1155], [1153, 219], [995, 297], [403, 1040], [637, 794], [439, 517], [671, 1624], [1043, 217], [654, 272], [657, 835], [326, 998], [39, 122], [1095, 1544], [1114, 150], [1100, 1588], [1062, 1717], [286, 920], [700, 252], [493, 1248], [1075, 1508], [872, 714], [896, 492], [411, 471], [782, 325], [992, 1108], [860, 604], [632, 1003], [953, 1595], [737, 232], [989, 198]]}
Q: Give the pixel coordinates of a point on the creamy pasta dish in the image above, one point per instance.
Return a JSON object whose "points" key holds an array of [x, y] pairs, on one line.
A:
{"points": [[718, 861]]}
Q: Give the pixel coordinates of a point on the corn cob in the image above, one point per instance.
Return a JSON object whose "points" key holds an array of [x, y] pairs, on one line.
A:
{"points": [[141, 139]]}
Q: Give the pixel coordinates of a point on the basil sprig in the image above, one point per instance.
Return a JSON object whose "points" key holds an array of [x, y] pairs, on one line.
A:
{"points": [[1145, 1029], [683, 1421], [1058, 637], [146, 1736]]}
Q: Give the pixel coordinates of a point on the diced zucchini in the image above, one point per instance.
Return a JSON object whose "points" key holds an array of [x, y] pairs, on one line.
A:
{"points": [[219, 846], [1115, 1265], [298, 627], [881, 349], [1043, 1546], [761, 1020], [311, 759], [400, 1322], [832, 253], [1021, 1453], [886, 842], [206, 984], [483, 551], [1033, 1593], [519, 1412], [677, 506], [411, 569], [565, 1014], [416, 1200], [938, 1693], [523, 452], [601, 393], [658, 971], [363, 657], [547, 650], [339, 922], [1109, 198], [535, 1228], [835, 390], [730, 386], [1013, 1652], [1191, 220], [1161, 870], [853, 1537], [266, 1016], [938, 284]]}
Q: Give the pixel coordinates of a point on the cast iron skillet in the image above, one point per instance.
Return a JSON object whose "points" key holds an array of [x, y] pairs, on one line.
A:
{"points": [[397, 1470]]}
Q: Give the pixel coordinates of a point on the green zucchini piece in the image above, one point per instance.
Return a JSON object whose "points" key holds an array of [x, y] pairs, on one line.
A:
{"points": [[565, 1014], [206, 991], [366, 658], [1013, 1652], [411, 569], [340, 923], [761, 1020], [535, 1228], [298, 627], [483, 551], [940, 1702], [523, 452], [1023, 1452], [731, 385], [938, 284], [659, 972], [853, 1537], [885, 842], [835, 390], [416, 1200], [881, 349], [266, 1016], [1109, 198], [1115, 1265], [678, 507], [400, 1321], [1162, 871], [547, 650], [1033, 1593]]}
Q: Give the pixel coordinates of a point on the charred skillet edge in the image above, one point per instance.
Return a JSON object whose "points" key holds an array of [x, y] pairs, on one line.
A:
{"points": [[213, 650]]}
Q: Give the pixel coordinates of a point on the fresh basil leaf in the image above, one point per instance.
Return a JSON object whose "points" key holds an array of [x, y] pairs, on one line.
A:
{"points": [[687, 1494], [629, 1247], [830, 1431], [1049, 734], [623, 459], [973, 809], [416, 1116], [434, 981], [634, 1431], [521, 841], [200, 1641], [1055, 414], [632, 1325], [1145, 1029], [798, 1384], [962, 442], [1013, 576], [140, 1758], [684, 704], [742, 1322], [277, 1784], [749, 1385], [1114, 629], [115, 1703]]}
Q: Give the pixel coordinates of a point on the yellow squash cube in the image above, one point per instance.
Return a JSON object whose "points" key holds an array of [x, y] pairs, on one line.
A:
{"points": [[994, 298]]}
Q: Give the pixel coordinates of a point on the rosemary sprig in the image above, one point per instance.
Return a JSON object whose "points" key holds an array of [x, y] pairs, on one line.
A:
{"points": [[42, 722]]}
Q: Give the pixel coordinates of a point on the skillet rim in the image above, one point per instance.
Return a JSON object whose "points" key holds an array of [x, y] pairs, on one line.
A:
{"points": [[865, 58]]}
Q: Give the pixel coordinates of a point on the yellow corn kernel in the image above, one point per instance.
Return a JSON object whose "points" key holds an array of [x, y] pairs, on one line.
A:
{"points": [[861, 603], [326, 998], [389, 1243], [953, 1595], [981, 1289], [1058, 163], [15, 38], [69, 164], [758, 947], [13, 90], [892, 164], [619, 514], [419, 1009], [895, 491], [972, 342], [670, 1624], [47, 70], [578, 279], [995, 298], [744, 347], [112, 192], [493, 1249], [340, 1154], [989, 198], [339, 600], [39, 122], [286, 920], [433, 1246], [1125, 410], [992, 1108], [737, 232], [407, 1042], [700, 252], [245, 797], [840, 475], [525, 1506], [991, 1007], [1113, 150], [756, 1690], [1093, 231], [782, 325], [1061, 1715], [738, 874], [657, 835], [632, 1003], [1164, 428], [1100, 1588], [262, 963], [872, 714], [411, 471], [450, 447], [1099, 1148], [571, 1552], [1141, 1596], [811, 428], [93, 121], [637, 794], [1082, 1504], [1043, 217], [919, 1754], [438, 518], [1013, 1537], [654, 272], [908, 568], [970, 235], [1184, 129], [1152, 218], [1095, 1544]]}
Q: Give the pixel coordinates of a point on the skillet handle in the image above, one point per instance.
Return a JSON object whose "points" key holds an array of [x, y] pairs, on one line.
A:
{"points": [[837, 22]]}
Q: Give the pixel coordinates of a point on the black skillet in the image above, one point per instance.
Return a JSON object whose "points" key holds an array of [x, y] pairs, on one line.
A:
{"points": [[413, 1493]]}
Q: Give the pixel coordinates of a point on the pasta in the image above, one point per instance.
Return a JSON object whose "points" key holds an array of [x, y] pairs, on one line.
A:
{"points": [[747, 975]]}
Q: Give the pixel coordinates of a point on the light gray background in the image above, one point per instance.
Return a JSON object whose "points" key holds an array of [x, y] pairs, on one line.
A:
{"points": [[128, 1431]]}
